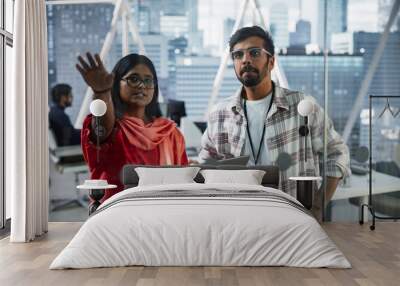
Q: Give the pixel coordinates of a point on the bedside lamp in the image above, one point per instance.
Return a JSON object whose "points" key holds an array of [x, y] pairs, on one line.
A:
{"points": [[98, 108], [305, 183], [305, 108]]}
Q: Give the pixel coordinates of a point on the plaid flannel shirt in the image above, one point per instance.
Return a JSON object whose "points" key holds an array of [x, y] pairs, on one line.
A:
{"points": [[226, 134]]}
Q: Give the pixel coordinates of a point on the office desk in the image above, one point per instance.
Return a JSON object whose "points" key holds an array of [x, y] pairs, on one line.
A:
{"points": [[358, 186]]}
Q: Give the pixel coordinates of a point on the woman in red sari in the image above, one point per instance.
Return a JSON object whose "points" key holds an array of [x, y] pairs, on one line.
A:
{"points": [[132, 130]]}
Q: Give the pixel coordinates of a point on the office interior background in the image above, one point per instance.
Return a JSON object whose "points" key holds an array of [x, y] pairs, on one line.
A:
{"points": [[327, 56]]}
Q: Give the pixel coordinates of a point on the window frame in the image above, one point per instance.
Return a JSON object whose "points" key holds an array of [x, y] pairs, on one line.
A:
{"points": [[6, 39]]}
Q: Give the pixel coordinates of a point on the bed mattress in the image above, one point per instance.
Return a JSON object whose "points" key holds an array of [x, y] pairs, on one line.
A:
{"points": [[201, 225]]}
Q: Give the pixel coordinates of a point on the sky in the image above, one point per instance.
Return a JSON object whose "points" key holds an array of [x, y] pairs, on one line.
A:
{"points": [[362, 15]]}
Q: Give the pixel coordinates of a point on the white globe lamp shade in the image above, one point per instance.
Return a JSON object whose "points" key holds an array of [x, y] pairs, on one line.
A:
{"points": [[305, 107], [98, 107]]}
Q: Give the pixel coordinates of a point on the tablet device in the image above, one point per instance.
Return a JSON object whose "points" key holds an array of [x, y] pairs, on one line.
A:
{"points": [[241, 161]]}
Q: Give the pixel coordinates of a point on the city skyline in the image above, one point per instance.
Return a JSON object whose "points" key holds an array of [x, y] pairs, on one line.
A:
{"points": [[76, 22], [213, 13]]}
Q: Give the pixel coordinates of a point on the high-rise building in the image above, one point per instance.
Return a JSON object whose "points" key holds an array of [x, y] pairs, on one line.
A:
{"points": [[193, 15], [229, 23], [176, 48], [179, 18], [143, 19], [156, 47], [194, 81], [196, 40], [147, 15], [342, 43], [306, 73], [174, 26], [196, 37], [398, 24], [279, 25], [174, 7], [336, 19], [385, 80], [384, 9], [73, 30], [302, 36]]}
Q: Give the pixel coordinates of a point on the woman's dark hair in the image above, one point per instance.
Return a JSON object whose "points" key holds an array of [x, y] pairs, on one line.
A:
{"points": [[60, 90], [123, 66], [254, 31]]}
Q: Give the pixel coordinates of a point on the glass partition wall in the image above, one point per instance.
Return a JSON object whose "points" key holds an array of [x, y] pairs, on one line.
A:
{"points": [[363, 60], [325, 50]]}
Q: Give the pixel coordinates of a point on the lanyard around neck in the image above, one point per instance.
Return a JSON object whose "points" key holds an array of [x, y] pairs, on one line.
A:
{"points": [[263, 132]]}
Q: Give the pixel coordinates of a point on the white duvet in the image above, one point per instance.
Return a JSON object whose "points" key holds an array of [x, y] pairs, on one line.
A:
{"points": [[185, 230]]}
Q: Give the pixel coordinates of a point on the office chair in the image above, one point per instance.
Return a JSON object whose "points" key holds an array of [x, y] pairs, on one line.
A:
{"points": [[67, 159]]}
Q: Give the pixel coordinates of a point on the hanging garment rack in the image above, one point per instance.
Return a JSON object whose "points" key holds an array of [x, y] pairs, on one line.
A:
{"points": [[370, 202], [387, 107], [397, 113]]}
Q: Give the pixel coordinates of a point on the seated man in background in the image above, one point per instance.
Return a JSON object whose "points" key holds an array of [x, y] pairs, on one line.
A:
{"points": [[59, 121], [261, 120]]}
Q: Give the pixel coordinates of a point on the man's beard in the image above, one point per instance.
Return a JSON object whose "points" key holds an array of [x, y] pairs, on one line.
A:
{"points": [[250, 80]]}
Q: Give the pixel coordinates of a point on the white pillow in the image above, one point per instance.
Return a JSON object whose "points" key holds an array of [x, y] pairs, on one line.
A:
{"points": [[249, 177], [163, 176]]}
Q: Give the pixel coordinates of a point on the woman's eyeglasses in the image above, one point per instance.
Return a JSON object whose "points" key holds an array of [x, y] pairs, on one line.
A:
{"points": [[254, 53], [135, 81]]}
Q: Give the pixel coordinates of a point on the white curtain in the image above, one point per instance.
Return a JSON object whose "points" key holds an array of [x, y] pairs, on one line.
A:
{"points": [[27, 119]]}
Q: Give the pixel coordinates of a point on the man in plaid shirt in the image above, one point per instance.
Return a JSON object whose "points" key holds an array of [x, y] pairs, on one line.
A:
{"points": [[261, 120]]}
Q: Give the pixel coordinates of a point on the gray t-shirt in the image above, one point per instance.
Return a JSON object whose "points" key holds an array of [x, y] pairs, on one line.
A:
{"points": [[256, 119]]}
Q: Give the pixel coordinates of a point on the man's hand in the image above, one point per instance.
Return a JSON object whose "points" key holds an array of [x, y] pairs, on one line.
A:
{"points": [[317, 213], [331, 185]]}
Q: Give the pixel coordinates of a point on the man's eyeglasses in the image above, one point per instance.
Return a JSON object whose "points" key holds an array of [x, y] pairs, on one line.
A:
{"points": [[254, 53], [135, 81]]}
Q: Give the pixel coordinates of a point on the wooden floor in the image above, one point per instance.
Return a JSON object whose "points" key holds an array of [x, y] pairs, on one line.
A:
{"points": [[374, 255]]}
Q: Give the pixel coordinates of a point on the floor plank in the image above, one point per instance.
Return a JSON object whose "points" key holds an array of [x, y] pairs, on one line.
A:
{"points": [[374, 255]]}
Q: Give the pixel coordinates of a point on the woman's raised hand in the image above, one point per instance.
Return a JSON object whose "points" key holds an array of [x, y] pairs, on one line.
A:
{"points": [[94, 73]]}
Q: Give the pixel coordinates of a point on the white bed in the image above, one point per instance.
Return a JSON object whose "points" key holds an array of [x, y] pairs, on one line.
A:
{"points": [[203, 225]]}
